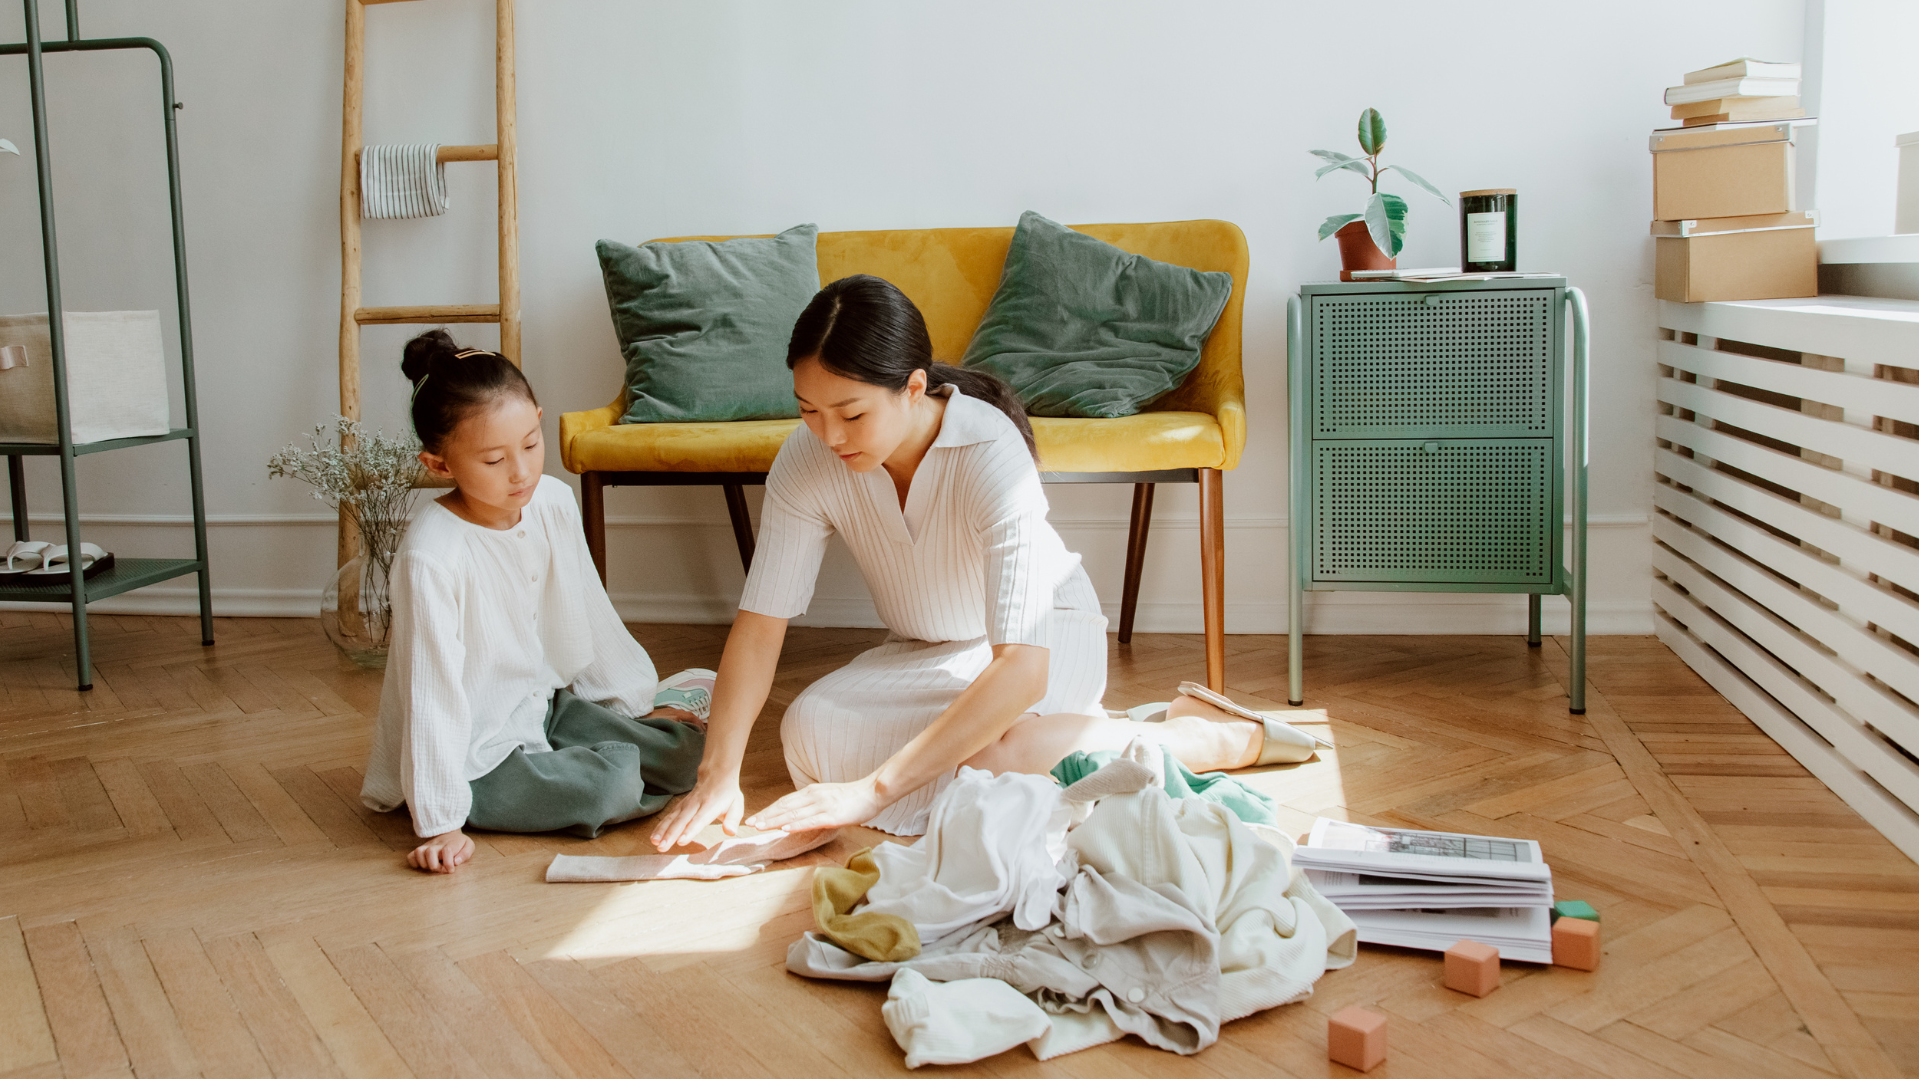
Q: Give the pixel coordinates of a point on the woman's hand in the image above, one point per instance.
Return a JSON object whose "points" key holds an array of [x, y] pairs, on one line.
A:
{"points": [[443, 853], [715, 798], [823, 805]]}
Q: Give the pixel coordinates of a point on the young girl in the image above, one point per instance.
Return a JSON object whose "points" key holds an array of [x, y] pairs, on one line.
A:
{"points": [[997, 655], [511, 685]]}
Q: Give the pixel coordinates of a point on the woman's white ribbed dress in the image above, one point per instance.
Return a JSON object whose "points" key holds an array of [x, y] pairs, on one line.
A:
{"points": [[970, 563]]}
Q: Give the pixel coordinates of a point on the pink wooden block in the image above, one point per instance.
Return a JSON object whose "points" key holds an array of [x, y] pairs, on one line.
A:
{"points": [[1472, 967], [1576, 944], [1356, 1038]]}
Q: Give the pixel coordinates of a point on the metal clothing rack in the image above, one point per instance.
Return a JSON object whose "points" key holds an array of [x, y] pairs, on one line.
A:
{"points": [[127, 573]]}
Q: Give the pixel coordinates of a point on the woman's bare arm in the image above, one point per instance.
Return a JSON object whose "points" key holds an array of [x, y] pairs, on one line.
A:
{"points": [[1005, 690], [745, 679]]}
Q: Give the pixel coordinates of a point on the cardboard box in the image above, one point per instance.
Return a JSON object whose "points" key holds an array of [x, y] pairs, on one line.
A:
{"points": [[1906, 216], [1765, 257], [1728, 173]]}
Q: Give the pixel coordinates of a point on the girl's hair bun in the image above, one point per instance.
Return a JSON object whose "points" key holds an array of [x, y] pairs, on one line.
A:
{"points": [[450, 382], [424, 351]]}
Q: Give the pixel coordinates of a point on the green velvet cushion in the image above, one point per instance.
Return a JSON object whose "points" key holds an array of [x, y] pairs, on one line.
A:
{"points": [[703, 324], [1082, 328]]}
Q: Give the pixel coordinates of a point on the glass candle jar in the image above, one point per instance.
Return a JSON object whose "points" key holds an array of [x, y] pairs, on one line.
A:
{"points": [[1489, 230]]}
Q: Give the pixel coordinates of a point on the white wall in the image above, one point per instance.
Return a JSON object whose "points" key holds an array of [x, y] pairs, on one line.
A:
{"points": [[1859, 69], [644, 119]]}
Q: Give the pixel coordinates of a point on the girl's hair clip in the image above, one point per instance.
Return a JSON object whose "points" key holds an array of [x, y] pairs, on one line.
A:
{"points": [[416, 388], [461, 355]]}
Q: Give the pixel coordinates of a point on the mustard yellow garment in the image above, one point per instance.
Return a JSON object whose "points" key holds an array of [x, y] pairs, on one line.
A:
{"points": [[887, 938]]}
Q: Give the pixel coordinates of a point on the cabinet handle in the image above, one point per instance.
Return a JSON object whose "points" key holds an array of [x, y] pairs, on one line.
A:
{"points": [[1431, 301], [1432, 447]]}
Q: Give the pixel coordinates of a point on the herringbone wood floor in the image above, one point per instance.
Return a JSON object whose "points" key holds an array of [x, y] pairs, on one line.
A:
{"points": [[191, 886]]}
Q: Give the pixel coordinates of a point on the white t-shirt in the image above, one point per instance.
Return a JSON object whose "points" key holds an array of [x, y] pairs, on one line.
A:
{"points": [[971, 554], [487, 623]]}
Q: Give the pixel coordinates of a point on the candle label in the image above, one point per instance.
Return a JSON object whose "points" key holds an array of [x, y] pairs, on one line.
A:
{"points": [[1486, 237]]}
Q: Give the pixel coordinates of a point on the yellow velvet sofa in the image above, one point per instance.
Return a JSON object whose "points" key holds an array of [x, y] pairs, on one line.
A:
{"points": [[1189, 436]]}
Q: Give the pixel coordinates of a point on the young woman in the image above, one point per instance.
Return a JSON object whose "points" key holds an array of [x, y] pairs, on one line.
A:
{"points": [[511, 685], [997, 655]]}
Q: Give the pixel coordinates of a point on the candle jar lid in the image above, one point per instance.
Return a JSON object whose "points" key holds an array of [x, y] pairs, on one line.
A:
{"points": [[1489, 191]]}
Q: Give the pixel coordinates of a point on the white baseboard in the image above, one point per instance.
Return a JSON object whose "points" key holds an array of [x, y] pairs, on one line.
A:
{"points": [[1326, 612]]}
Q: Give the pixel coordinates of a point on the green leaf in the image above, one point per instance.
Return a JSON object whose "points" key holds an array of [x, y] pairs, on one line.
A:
{"points": [[1386, 221], [1339, 161], [1336, 222], [9, 147], [1372, 132], [1420, 180]]}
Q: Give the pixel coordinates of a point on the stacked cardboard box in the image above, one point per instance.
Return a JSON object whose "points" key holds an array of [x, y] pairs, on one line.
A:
{"points": [[1727, 221]]}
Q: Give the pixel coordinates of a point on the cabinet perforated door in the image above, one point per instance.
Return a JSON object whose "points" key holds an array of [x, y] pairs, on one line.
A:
{"points": [[1434, 365], [1470, 511]]}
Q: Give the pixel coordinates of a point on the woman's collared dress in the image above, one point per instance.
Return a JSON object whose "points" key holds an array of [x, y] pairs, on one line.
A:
{"points": [[969, 563]]}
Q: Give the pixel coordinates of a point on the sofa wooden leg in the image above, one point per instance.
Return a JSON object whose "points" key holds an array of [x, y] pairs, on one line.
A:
{"points": [[593, 519], [1212, 573], [1135, 558], [742, 522]]}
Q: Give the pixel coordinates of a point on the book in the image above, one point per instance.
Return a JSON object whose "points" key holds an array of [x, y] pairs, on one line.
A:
{"points": [[1743, 68], [1733, 104], [1707, 91], [1741, 117], [1691, 128], [1418, 889]]}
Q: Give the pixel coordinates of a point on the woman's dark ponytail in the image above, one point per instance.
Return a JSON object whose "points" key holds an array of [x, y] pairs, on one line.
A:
{"points": [[864, 328], [450, 382]]}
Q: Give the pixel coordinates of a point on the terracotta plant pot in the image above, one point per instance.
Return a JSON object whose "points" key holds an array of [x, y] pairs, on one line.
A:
{"points": [[1357, 251]]}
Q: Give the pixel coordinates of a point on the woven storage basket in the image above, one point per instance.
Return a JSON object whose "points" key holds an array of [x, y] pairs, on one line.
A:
{"points": [[116, 377]]}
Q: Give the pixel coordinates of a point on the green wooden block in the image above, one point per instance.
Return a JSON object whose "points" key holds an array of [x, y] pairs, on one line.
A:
{"points": [[1574, 908]]}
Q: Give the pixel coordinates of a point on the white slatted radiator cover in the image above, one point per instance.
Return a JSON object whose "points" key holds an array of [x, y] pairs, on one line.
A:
{"points": [[1786, 529]]}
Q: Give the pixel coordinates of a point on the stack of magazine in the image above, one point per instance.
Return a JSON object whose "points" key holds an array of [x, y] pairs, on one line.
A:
{"points": [[1432, 889]]}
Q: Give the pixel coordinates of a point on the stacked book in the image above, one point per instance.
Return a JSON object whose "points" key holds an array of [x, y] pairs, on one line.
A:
{"points": [[1431, 890], [1738, 91], [1726, 213]]}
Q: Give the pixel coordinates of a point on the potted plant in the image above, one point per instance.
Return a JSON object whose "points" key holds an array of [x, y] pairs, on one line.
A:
{"points": [[1370, 240], [370, 479]]}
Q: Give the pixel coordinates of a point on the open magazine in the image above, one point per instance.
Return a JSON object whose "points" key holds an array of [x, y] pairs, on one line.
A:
{"points": [[1419, 889]]}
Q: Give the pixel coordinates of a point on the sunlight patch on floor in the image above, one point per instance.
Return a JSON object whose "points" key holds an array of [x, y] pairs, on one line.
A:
{"points": [[667, 917]]}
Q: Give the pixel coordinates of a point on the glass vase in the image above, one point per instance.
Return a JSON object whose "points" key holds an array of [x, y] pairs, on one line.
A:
{"points": [[356, 610]]}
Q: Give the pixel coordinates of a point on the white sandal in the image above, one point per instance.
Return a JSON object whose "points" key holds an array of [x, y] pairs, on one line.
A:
{"points": [[24, 556], [54, 567], [1283, 744]]}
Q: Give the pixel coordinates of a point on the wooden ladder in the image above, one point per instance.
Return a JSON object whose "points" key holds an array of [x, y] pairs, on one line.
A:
{"points": [[503, 152]]}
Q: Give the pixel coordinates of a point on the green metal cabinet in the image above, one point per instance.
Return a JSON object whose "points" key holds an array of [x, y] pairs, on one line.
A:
{"points": [[1431, 444]]}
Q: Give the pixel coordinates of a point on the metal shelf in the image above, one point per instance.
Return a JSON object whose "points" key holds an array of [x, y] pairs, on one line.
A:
{"points": [[126, 575], [81, 449]]}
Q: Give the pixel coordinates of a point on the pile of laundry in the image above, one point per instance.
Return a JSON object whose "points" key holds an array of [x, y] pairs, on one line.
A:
{"points": [[1068, 918]]}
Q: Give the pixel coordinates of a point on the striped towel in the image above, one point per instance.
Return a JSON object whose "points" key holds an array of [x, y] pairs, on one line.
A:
{"points": [[402, 181]]}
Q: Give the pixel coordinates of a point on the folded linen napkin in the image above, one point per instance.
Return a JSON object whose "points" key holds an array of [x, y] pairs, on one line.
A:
{"points": [[404, 180], [735, 857]]}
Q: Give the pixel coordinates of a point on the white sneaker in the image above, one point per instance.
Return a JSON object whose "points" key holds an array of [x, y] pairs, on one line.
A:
{"points": [[690, 690]]}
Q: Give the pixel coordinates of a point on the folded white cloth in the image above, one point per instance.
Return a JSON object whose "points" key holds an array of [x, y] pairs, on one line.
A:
{"points": [[957, 1022], [402, 181], [735, 857]]}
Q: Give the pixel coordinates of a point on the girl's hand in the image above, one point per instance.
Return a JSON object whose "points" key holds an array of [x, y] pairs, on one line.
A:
{"points": [[717, 798], [823, 805], [443, 853]]}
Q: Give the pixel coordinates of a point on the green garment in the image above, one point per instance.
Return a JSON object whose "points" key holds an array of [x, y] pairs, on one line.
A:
{"points": [[1082, 328], [605, 768], [1181, 782]]}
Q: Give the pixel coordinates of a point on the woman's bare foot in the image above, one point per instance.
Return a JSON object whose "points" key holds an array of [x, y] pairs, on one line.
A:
{"points": [[1236, 741]]}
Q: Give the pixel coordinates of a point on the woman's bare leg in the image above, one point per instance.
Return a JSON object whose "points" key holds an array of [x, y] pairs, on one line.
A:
{"points": [[1199, 736]]}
